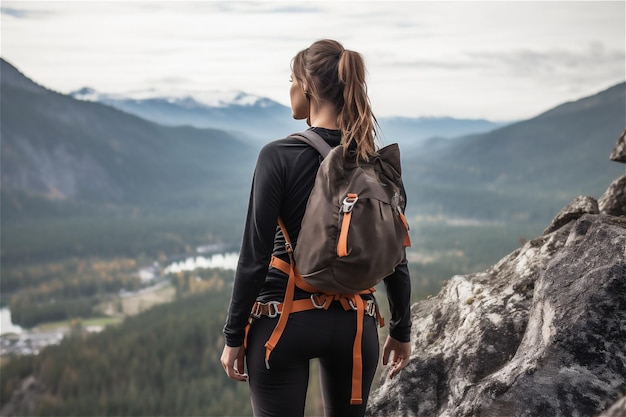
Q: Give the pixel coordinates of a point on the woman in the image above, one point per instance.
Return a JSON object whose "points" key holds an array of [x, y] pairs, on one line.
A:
{"points": [[328, 90]]}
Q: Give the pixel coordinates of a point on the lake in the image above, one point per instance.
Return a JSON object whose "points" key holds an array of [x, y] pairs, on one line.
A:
{"points": [[219, 260], [6, 324], [226, 260]]}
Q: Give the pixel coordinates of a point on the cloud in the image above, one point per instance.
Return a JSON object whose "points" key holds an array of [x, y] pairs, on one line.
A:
{"points": [[423, 57], [526, 62], [225, 7], [22, 13], [292, 9]]}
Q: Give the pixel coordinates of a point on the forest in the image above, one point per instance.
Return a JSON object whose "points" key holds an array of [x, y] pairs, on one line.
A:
{"points": [[164, 361]]}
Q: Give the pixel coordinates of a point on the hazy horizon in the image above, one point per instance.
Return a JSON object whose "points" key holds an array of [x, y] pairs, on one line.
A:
{"points": [[498, 60]]}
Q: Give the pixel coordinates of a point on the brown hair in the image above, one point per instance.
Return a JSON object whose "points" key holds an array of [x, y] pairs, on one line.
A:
{"points": [[337, 75]]}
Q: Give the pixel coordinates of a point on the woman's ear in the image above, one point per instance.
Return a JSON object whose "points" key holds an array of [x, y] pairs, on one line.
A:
{"points": [[305, 90]]}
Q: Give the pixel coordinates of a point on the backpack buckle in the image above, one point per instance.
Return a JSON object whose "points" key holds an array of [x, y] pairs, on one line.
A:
{"points": [[269, 309], [288, 247], [256, 310], [272, 305], [370, 307], [349, 202], [317, 303]]}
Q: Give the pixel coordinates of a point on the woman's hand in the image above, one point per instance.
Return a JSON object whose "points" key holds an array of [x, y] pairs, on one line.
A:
{"points": [[397, 353], [232, 361]]}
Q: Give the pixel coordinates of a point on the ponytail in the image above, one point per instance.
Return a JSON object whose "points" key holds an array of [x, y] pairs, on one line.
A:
{"points": [[356, 119], [337, 75]]}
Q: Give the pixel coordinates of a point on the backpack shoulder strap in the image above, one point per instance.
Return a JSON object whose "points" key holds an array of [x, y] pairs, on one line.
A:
{"points": [[315, 141]]}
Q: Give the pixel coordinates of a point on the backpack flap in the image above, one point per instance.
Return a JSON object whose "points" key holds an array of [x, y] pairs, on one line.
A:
{"points": [[372, 242]]}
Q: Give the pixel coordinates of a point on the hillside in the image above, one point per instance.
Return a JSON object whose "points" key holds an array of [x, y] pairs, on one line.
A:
{"points": [[73, 170], [59, 148], [528, 169], [419, 134]]}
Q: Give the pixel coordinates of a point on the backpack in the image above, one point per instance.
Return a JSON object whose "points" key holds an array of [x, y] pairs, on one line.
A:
{"points": [[352, 236], [354, 229]]}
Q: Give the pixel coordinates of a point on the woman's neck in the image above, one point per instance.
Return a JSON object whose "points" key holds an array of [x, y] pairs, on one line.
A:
{"points": [[323, 115]]}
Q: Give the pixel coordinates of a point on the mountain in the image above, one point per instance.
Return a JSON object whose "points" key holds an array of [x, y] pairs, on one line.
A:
{"points": [[85, 179], [250, 118], [260, 119], [528, 169], [425, 133], [58, 148]]}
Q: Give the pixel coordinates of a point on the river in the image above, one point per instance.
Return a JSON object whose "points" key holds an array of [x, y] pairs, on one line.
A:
{"points": [[227, 260]]}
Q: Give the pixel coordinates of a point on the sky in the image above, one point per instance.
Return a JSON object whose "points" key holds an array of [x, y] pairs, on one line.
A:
{"points": [[497, 60]]}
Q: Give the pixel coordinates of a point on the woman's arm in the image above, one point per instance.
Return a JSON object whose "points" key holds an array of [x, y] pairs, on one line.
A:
{"points": [[257, 242], [397, 348], [398, 286]]}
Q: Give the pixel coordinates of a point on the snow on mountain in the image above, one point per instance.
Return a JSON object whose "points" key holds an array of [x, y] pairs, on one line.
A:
{"points": [[195, 99]]}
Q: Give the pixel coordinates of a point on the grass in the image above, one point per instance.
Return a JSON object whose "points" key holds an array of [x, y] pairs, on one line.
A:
{"points": [[95, 321]]}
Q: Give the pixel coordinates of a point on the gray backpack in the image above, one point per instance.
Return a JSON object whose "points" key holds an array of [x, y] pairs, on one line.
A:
{"points": [[354, 231]]}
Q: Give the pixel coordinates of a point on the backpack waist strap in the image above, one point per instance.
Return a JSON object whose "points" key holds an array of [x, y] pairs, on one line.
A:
{"points": [[273, 308]]}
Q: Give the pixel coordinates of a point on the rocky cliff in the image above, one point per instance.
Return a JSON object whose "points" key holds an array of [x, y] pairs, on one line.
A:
{"points": [[541, 333]]}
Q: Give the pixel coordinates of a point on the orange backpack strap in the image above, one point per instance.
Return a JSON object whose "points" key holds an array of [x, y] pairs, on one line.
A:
{"points": [[407, 238], [280, 265], [287, 303], [319, 300], [282, 321], [356, 396]]}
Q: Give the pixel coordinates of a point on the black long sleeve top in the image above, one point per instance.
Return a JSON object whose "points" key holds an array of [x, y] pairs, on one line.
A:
{"points": [[283, 178]]}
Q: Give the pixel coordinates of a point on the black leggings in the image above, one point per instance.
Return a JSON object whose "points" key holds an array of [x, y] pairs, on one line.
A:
{"points": [[325, 334]]}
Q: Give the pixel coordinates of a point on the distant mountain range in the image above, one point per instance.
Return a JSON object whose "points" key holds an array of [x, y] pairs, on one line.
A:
{"points": [[250, 118], [260, 120]]}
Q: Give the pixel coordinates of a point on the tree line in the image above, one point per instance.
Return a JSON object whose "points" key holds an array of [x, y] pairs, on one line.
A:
{"points": [[65, 289]]}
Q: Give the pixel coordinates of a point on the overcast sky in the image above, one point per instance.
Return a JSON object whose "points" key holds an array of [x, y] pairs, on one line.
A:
{"points": [[499, 60]]}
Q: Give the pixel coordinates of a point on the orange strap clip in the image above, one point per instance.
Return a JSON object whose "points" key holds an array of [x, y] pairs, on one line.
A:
{"points": [[346, 209]]}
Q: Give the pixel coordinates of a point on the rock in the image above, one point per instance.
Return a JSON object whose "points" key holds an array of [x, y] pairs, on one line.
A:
{"points": [[617, 410], [579, 206], [619, 152], [539, 334], [24, 399], [613, 201]]}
